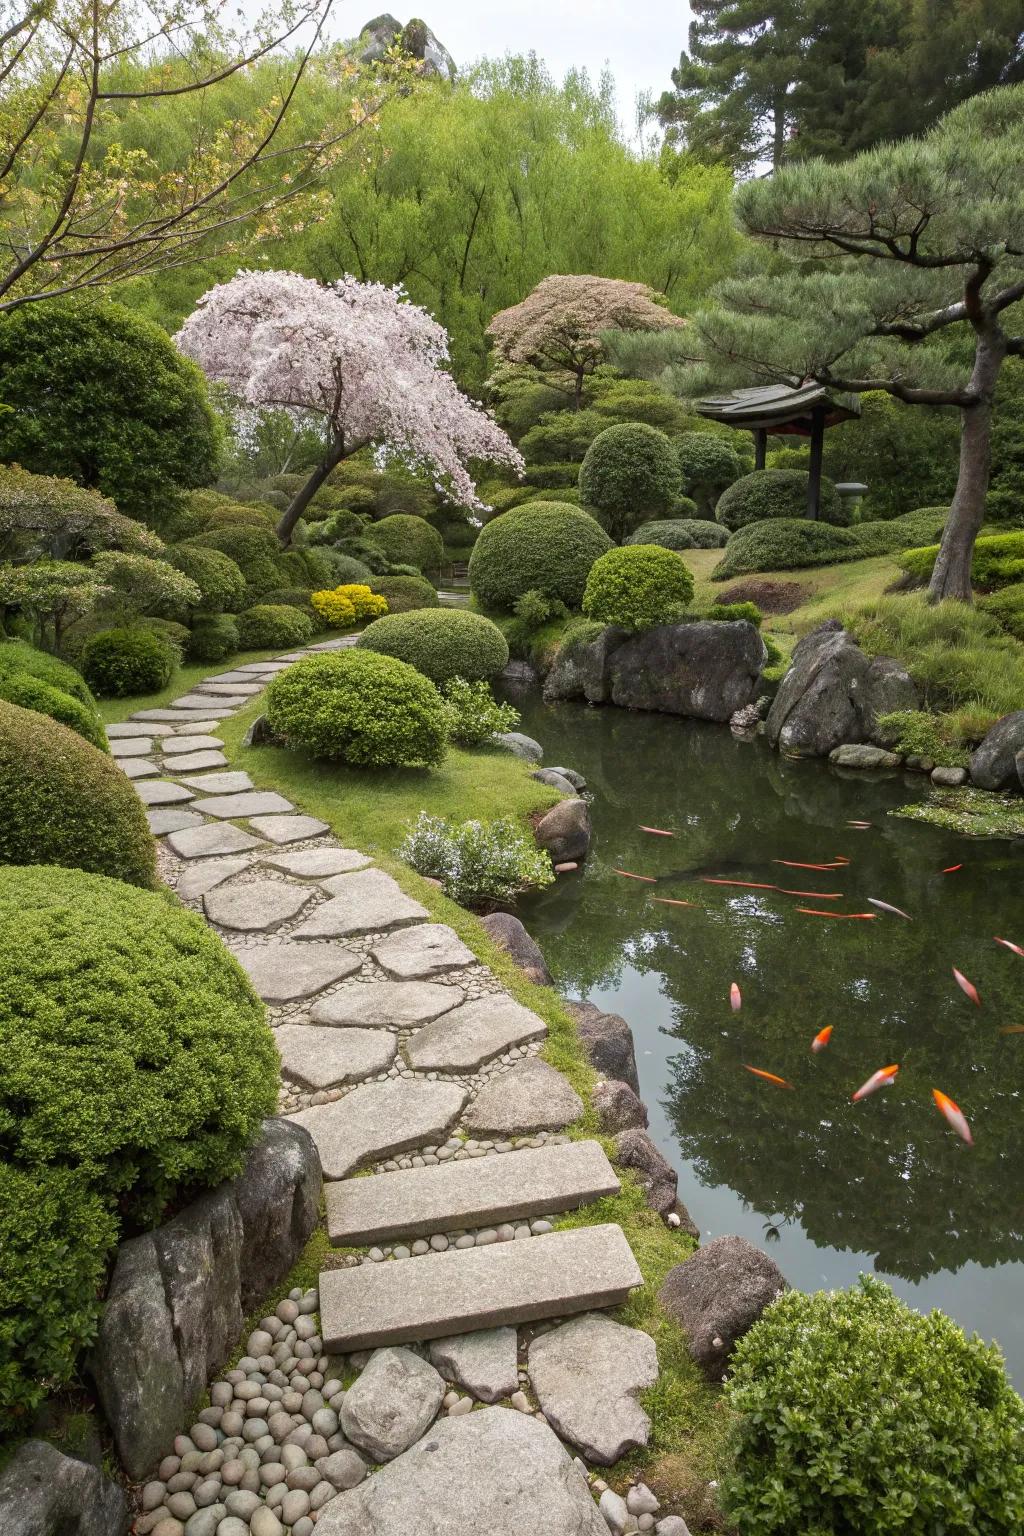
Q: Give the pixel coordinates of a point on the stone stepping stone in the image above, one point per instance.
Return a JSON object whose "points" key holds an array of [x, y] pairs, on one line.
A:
{"points": [[382, 1004], [218, 783], [163, 793], [196, 728], [242, 675], [463, 1289], [205, 721], [197, 879], [253, 803], [234, 690], [314, 863], [391, 1403], [495, 1471], [485, 1363], [585, 1374], [198, 701], [325, 1058], [190, 762], [371, 900], [192, 742], [282, 972], [380, 1119], [474, 1192], [207, 842], [426, 950], [131, 746], [262, 666], [163, 822], [292, 657], [464, 1039], [531, 1096], [288, 829], [257, 906], [138, 767], [124, 730]]}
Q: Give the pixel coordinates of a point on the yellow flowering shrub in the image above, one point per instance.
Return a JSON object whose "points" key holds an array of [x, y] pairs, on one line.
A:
{"points": [[348, 604]]}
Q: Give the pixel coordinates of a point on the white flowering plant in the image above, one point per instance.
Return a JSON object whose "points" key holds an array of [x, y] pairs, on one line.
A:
{"points": [[479, 864], [474, 714]]}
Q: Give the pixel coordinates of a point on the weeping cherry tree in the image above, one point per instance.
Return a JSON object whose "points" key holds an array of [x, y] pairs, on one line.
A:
{"points": [[356, 355]]}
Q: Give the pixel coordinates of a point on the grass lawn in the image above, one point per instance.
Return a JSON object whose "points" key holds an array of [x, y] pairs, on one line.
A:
{"points": [[185, 678]]}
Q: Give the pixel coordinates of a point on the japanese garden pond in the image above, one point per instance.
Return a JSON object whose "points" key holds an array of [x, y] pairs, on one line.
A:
{"points": [[830, 1187]]}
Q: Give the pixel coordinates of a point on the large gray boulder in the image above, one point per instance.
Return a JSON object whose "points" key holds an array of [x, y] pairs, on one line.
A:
{"points": [[178, 1296], [495, 1471], [581, 669], [618, 1107], [44, 1493], [565, 831], [392, 1403], [718, 1295], [634, 1149], [510, 935], [833, 694], [994, 762], [608, 1042], [415, 39]]}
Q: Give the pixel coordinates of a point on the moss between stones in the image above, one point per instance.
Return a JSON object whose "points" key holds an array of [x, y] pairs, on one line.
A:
{"points": [[970, 812]]}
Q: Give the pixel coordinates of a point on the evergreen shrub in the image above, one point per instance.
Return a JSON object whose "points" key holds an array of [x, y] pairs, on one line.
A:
{"points": [[547, 546], [369, 710], [442, 643], [404, 593], [630, 474], [638, 586], [120, 663], [776, 493], [272, 624]]}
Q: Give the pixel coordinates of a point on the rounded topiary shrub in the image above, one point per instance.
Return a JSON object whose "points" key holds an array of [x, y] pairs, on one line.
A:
{"points": [[705, 535], [118, 663], [707, 464], [858, 1414], [774, 493], [272, 624], [19, 656], [404, 593], [545, 546], [30, 692], [255, 550], [637, 587], [442, 643], [214, 637], [217, 576], [630, 473], [785, 545], [64, 802], [408, 540], [367, 709], [669, 533], [346, 568]]}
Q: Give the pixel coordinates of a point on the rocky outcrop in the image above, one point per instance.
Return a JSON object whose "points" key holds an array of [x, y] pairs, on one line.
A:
{"points": [[519, 745], [178, 1295], [833, 694], [44, 1493], [510, 935], [702, 671], [608, 1042], [656, 1176], [618, 1107], [994, 762], [718, 1295], [565, 831], [415, 39]]}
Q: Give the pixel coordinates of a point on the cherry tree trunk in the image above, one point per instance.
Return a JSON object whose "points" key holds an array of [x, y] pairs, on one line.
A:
{"points": [[951, 577], [304, 495]]}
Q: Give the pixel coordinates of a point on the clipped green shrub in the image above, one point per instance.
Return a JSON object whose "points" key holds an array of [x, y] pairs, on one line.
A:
{"points": [[344, 568], [214, 637], [705, 535], [474, 714], [272, 624], [549, 546], [630, 474], [119, 663], [30, 692], [858, 1414], [404, 593], [668, 533], [19, 656], [411, 540], [217, 576], [66, 802], [553, 477], [535, 609], [367, 709], [776, 493], [562, 436], [784, 545], [442, 643], [708, 464], [479, 864], [255, 551], [507, 497], [886, 537], [998, 561], [731, 612], [340, 525], [176, 635], [638, 586], [1007, 608]]}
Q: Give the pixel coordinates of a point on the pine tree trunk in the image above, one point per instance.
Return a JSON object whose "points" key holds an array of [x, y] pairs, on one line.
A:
{"points": [[304, 495], [951, 577]]}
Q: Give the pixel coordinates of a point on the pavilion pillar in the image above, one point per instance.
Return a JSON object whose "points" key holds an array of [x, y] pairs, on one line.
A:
{"points": [[760, 446], [817, 447]]}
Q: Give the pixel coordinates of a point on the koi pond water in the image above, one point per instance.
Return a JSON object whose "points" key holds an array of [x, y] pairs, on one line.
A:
{"points": [[830, 1187]]}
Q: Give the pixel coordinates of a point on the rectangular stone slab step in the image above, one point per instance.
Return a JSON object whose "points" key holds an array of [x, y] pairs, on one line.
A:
{"points": [[475, 1192], [404, 1300]]}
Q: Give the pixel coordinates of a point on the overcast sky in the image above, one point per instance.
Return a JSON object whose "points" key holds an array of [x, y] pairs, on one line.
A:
{"points": [[640, 40]]}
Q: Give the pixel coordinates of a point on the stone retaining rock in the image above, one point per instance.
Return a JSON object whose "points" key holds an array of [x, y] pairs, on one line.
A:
{"points": [[833, 694], [510, 935], [718, 1295], [862, 755], [565, 831], [949, 778], [608, 1042], [519, 745], [635, 1149], [178, 1295], [549, 776], [618, 1107], [394, 1400], [45, 1493], [994, 762]]}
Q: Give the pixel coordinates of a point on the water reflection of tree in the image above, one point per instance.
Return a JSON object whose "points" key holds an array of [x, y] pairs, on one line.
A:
{"points": [[885, 1176]]}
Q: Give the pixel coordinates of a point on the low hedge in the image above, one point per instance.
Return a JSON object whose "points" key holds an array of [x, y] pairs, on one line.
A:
{"points": [[409, 539], [442, 643], [370, 710], [786, 544], [19, 656], [638, 586], [404, 593], [998, 561], [35, 680], [214, 637], [776, 493], [65, 802], [119, 663], [272, 624], [544, 546]]}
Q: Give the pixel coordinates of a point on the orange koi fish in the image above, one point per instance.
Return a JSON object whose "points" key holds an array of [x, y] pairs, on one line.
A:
{"points": [[880, 1079], [821, 1039], [754, 885], [810, 912], [967, 987], [769, 1077], [628, 875], [1008, 945], [656, 831], [1012, 1029], [735, 998], [954, 1115], [860, 824], [883, 906], [795, 864], [951, 869], [669, 901]]}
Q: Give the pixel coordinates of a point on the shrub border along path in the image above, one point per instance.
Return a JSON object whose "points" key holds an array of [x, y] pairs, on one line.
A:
{"points": [[234, 873]]}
